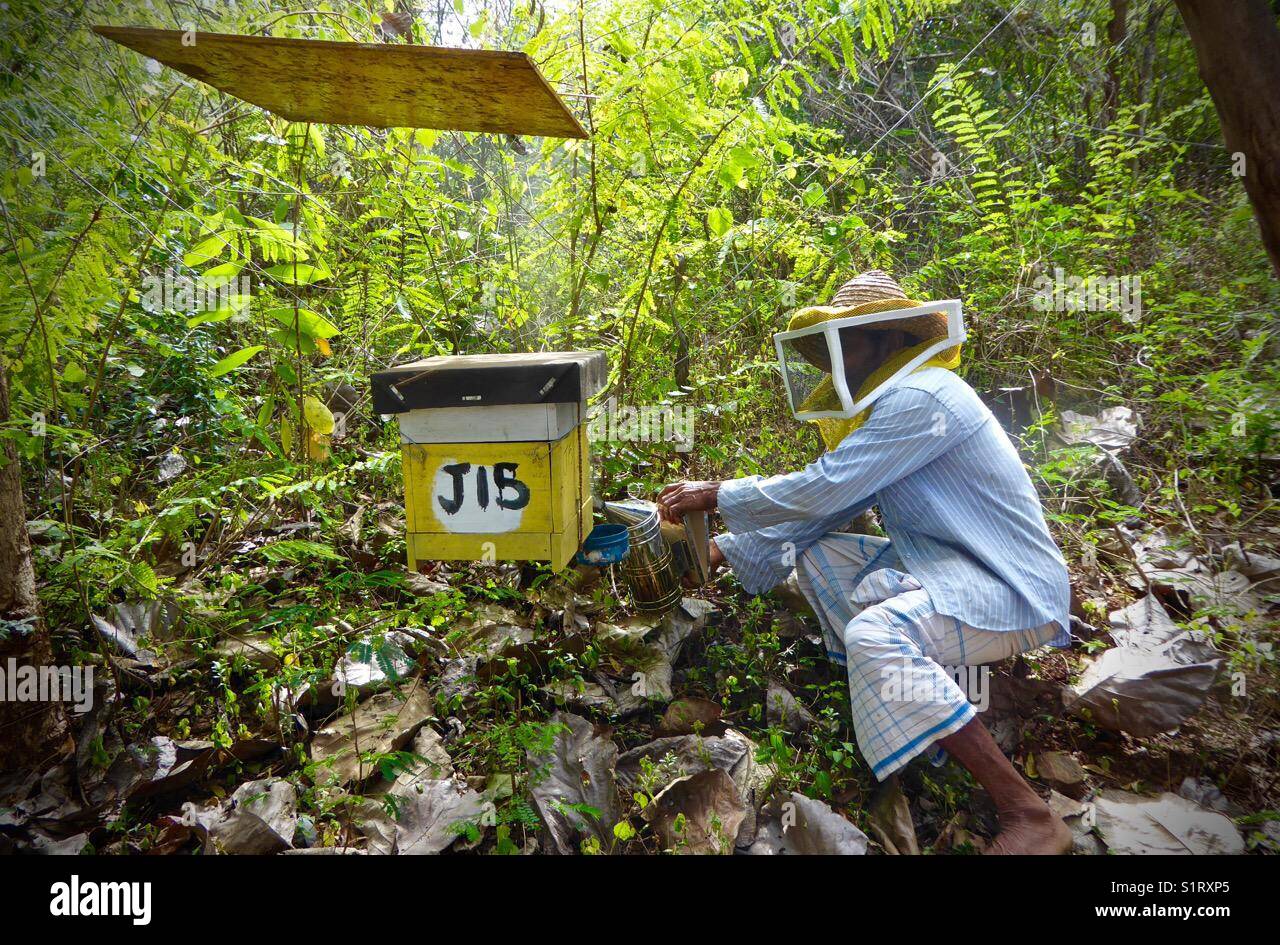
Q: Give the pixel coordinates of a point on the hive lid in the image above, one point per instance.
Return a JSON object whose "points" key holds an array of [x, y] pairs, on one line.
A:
{"points": [[478, 380], [383, 85]]}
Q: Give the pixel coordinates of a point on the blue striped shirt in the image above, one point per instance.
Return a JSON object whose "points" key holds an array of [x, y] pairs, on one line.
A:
{"points": [[953, 496]]}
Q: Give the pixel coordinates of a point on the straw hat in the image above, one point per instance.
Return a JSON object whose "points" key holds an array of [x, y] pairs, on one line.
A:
{"points": [[871, 293]]}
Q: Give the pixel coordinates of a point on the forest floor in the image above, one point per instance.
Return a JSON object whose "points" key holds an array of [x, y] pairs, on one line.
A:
{"points": [[300, 692]]}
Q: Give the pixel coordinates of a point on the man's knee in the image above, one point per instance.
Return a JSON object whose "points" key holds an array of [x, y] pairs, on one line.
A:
{"points": [[868, 636]]}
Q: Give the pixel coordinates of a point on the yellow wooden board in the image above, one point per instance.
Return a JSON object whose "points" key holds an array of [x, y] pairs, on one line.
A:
{"points": [[557, 548], [517, 501], [567, 480], [478, 488], [383, 85]]}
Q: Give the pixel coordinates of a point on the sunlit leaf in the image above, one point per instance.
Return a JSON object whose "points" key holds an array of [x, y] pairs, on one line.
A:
{"points": [[206, 250], [309, 323], [235, 360], [299, 273], [317, 415]]}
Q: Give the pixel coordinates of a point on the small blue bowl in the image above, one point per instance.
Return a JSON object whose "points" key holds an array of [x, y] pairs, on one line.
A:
{"points": [[607, 544]]}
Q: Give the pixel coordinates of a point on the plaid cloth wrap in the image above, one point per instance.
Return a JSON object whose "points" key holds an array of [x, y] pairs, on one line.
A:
{"points": [[879, 623]]}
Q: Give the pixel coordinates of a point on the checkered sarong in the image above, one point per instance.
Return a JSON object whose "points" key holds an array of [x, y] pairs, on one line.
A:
{"points": [[900, 653]]}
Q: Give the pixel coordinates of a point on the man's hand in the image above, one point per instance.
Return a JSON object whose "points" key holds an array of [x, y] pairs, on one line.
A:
{"points": [[681, 498]]}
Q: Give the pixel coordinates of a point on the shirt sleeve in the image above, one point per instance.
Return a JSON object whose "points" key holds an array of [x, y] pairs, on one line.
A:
{"points": [[908, 428], [761, 560]]}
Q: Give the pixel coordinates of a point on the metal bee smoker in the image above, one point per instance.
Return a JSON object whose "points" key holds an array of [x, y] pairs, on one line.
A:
{"points": [[649, 568], [661, 553]]}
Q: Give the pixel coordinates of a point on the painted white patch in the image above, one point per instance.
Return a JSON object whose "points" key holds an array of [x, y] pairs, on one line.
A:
{"points": [[450, 486]]}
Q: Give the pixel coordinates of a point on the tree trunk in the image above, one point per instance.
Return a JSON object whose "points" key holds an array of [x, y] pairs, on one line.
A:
{"points": [[1147, 62], [1237, 45], [1117, 31], [31, 733]]}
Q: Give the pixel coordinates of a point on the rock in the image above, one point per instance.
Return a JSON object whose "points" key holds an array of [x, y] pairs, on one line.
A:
{"points": [[1062, 771], [1168, 824], [782, 709], [796, 824], [889, 818], [691, 716], [701, 813], [791, 597]]}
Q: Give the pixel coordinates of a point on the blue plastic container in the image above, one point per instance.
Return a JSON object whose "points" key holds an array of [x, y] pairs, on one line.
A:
{"points": [[607, 544]]}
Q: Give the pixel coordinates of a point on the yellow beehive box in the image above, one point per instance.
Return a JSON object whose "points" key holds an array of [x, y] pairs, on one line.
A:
{"points": [[495, 454]]}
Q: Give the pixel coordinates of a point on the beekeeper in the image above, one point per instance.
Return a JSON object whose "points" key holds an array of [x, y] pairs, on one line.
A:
{"points": [[969, 573]]}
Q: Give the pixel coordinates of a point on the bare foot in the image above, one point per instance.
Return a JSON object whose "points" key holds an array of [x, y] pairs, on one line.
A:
{"points": [[1030, 831]]}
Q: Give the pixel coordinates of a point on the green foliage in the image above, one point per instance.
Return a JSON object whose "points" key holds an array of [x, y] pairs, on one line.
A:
{"points": [[195, 293]]}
